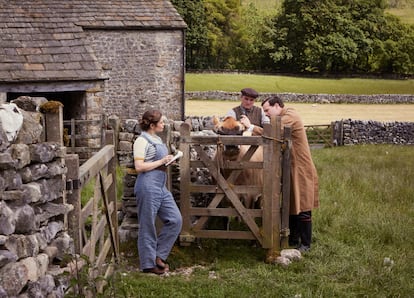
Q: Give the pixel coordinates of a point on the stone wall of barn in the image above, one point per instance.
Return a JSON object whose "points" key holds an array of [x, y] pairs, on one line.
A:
{"points": [[33, 226], [145, 70]]}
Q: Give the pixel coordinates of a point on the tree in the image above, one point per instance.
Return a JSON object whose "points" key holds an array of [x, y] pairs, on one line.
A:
{"points": [[339, 36], [194, 14]]}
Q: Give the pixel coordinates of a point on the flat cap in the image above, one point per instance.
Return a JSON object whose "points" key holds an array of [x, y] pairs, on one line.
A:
{"points": [[249, 92]]}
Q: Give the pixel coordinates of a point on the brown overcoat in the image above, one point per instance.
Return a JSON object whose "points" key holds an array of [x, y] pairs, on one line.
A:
{"points": [[304, 178]]}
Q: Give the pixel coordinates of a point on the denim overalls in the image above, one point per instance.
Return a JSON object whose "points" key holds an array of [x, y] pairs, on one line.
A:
{"points": [[154, 199]]}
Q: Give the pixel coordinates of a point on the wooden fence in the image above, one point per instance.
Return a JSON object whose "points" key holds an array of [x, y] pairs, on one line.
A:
{"points": [[264, 224], [320, 135]]}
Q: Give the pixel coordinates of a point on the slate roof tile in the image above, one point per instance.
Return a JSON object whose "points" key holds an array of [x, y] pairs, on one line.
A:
{"points": [[45, 39]]}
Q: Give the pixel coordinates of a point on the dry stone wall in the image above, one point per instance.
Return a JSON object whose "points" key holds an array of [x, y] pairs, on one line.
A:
{"points": [[373, 132], [33, 237], [311, 98]]}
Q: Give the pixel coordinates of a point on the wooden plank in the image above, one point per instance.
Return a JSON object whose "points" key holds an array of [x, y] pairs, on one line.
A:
{"points": [[286, 189], [271, 185], [102, 256], [86, 211], [201, 211], [99, 229], [57, 86], [185, 180], [94, 231], [93, 165], [73, 197], [267, 196], [72, 137], [82, 149], [108, 214], [233, 165], [218, 234], [225, 140], [107, 182], [83, 137], [239, 189]]}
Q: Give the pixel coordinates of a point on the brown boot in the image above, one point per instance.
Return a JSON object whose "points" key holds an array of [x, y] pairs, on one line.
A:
{"points": [[154, 270], [161, 264]]}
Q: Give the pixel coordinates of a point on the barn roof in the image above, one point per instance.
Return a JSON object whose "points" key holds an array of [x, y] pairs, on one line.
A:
{"points": [[44, 40]]}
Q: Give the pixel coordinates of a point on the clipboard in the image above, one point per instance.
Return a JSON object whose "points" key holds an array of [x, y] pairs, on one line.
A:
{"points": [[176, 156]]}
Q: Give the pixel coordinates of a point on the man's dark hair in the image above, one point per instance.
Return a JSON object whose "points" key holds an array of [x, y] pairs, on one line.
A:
{"points": [[274, 99]]}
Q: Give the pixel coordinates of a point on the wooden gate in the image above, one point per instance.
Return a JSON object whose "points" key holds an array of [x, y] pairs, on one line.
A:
{"points": [[94, 226], [264, 223]]}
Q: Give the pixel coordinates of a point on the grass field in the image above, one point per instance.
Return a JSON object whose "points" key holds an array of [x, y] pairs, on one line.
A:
{"points": [[280, 84], [362, 245]]}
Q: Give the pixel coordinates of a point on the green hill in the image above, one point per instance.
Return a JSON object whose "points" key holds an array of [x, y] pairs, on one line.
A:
{"points": [[404, 9]]}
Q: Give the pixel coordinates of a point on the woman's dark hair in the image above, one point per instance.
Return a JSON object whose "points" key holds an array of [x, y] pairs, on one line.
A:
{"points": [[150, 117], [274, 99]]}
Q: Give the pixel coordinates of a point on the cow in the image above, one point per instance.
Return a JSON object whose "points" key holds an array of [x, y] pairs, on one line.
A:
{"points": [[230, 126]]}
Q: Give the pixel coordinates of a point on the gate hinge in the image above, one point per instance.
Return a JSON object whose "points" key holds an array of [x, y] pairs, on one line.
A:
{"points": [[72, 184]]}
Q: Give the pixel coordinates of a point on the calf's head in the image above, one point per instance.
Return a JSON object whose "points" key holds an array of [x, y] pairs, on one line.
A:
{"points": [[229, 126]]}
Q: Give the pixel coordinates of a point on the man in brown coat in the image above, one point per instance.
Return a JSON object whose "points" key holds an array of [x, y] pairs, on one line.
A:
{"points": [[304, 191]]}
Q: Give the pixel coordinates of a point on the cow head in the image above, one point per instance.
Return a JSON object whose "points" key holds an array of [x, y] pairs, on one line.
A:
{"points": [[229, 126]]}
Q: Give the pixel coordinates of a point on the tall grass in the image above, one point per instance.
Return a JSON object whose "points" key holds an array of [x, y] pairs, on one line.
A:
{"points": [[279, 84], [363, 241]]}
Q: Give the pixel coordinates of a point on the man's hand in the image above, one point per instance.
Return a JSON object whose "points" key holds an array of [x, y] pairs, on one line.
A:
{"points": [[245, 121]]}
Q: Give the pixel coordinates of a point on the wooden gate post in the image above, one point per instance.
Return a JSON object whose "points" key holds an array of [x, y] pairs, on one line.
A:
{"points": [[54, 122], [286, 164], [185, 237], [73, 196], [272, 188], [111, 192]]}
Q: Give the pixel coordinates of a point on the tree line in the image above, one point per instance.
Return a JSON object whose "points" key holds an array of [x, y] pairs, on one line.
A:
{"points": [[299, 36]]}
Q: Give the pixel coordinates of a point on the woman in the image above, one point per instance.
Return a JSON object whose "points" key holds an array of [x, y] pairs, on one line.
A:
{"points": [[153, 197]]}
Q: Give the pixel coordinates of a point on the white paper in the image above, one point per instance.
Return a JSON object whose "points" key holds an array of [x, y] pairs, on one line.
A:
{"points": [[176, 156]]}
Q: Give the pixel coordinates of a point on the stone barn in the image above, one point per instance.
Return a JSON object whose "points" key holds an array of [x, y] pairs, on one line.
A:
{"points": [[118, 57]]}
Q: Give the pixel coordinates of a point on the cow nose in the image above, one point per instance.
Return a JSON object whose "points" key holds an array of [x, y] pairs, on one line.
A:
{"points": [[232, 149]]}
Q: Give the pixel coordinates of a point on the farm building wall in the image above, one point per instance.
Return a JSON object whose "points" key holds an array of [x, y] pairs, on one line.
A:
{"points": [[145, 70]]}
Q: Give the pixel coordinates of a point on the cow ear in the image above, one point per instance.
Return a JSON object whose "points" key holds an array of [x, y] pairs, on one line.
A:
{"points": [[216, 120]]}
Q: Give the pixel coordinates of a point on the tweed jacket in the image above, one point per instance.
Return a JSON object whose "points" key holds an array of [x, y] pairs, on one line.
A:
{"points": [[304, 178]]}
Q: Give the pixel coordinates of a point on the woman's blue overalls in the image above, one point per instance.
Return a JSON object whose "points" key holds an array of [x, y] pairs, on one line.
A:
{"points": [[154, 199]]}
